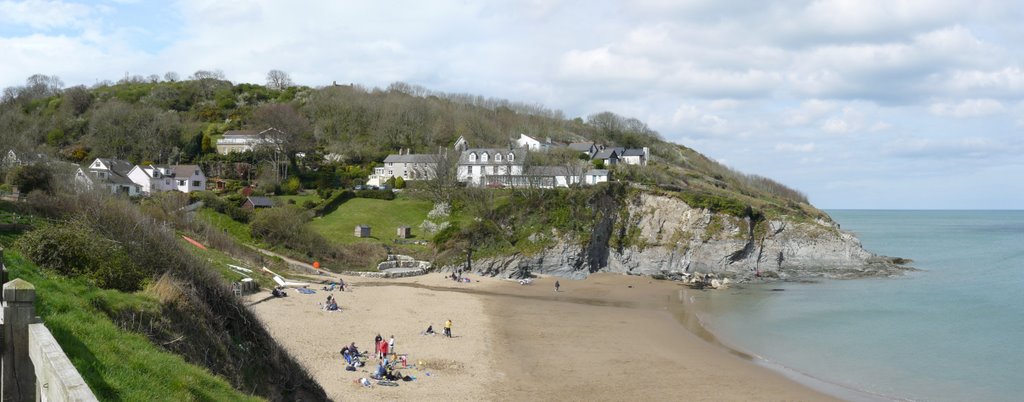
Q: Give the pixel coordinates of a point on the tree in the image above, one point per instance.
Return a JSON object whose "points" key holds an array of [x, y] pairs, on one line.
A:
{"points": [[283, 132], [278, 80], [442, 185], [33, 177], [171, 76]]}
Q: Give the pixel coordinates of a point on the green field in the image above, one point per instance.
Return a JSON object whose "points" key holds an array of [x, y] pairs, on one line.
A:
{"points": [[383, 216], [238, 230], [117, 364]]}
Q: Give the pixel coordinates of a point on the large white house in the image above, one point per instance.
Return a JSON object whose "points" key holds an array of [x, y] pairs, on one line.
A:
{"points": [[635, 156], [110, 174], [154, 179], [482, 166], [407, 166]]}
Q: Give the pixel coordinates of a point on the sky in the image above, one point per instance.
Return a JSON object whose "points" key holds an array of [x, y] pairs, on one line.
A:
{"points": [[888, 104]]}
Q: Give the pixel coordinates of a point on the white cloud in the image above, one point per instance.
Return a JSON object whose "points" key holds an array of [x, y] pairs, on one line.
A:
{"points": [[44, 14], [809, 111], [788, 147], [851, 120], [967, 108]]}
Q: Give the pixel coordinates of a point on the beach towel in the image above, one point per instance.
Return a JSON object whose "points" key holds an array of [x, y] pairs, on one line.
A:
{"points": [[306, 291]]}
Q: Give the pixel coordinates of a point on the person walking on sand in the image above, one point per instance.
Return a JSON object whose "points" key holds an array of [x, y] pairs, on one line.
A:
{"points": [[557, 285], [448, 328]]}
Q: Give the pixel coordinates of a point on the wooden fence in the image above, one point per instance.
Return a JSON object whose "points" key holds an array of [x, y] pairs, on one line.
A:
{"points": [[34, 367]]}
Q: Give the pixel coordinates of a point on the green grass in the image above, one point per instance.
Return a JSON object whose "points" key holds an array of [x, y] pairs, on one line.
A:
{"points": [[238, 230], [299, 198], [117, 364], [383, 216]]}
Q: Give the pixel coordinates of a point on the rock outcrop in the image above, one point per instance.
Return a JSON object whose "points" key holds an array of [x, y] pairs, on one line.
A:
{"points": [[663, 236]]}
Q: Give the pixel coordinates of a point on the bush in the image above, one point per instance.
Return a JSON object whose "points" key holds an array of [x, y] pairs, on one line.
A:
{"points": [[29, 178], [376, 194], [330, 204], [309, 204], [75, 249], [291, 187]]}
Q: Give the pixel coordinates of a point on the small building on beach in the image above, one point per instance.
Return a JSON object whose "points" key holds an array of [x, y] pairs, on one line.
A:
{"points": [[404, 232], [362, 231]]}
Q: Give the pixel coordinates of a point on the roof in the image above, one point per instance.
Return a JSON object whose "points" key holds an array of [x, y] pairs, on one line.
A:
{"points": [[607, 153], [185, 170], [240, 133], [363, 226], [596, 172], [633, 152], [411, 158], [260, 201], [582, 146], [519, 154], [118, 166], [548, 171]]}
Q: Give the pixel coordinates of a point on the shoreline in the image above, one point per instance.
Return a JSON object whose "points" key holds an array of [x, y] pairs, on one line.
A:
{"points": [[691, 316], [608, 337]]}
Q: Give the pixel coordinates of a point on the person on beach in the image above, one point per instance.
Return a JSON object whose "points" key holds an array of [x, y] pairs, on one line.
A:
{"points": [[557, 285], [391, 344], [376, 346], [384, 349], [430, 330], [448, 328]]}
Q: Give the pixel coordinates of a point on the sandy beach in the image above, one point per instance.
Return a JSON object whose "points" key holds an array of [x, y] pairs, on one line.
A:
{"points": [[608, 337]]}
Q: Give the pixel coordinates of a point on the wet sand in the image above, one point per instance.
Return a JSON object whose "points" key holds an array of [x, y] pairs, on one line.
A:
{"points": [[609, 337]]}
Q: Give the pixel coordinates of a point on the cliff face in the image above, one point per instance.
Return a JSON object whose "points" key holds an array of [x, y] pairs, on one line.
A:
{"points": [[663, 236]]}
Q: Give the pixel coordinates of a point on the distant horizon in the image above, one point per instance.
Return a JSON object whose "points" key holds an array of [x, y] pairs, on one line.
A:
{"points": [[873, 104]]}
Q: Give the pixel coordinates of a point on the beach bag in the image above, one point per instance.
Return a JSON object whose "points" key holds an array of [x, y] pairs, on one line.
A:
{"points": [[350, 368]]}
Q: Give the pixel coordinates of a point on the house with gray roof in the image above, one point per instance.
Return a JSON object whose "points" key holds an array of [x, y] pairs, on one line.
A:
{"points": [[108, 174], [595, 176], [589, 148], [252, 203], [484, 166], [155, 179], [406, 165], [635, 156]]}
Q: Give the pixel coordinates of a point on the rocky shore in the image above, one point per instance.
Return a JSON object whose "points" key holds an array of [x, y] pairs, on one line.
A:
{"points": [[670, 239]]}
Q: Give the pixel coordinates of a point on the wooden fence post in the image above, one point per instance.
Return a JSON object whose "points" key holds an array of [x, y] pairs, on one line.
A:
{"points": [[19, 378]]}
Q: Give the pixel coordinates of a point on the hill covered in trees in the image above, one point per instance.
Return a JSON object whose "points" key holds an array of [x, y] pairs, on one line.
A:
{"points": [[167, 120]]}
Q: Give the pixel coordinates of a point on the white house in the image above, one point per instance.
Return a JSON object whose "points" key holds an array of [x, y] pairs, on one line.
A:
{"points": [[111, 174], [237, 141], [533, 144], [154, 179], [481, 166], [635, 156], [595, 176], [10, 159], [552, 176], [405, 165]]}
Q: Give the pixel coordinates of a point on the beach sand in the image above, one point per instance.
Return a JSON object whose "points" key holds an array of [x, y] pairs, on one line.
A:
{"points": [[609, 337]]}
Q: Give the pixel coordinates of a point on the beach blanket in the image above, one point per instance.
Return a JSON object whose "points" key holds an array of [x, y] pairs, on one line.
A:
{"points": [[306, 291]]}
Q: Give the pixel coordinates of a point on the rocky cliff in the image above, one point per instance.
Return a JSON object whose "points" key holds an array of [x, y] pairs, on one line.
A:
{"points": [[661, 235]]}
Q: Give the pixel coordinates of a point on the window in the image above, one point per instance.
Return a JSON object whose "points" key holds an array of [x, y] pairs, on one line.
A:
{"points": [[490, 170], [511, 157], [497, 157], [196, 183], [472, 157], [181, 182], [167, 182], [483, 157]]}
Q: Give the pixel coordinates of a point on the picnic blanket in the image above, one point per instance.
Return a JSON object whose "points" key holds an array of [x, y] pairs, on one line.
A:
{"points": [[306, 291]]}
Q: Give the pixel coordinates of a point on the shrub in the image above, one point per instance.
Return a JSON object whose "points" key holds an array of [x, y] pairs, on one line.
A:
{"points": [[330, 204], [376, 194], [75, 249], [309, 204]]}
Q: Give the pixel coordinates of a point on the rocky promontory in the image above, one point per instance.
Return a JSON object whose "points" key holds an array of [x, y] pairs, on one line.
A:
{"points": [[665, 237]]}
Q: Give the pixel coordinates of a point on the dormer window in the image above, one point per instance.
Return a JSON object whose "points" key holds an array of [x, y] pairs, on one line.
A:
{"points": [[497, 157], [483, 157], [511, 157], [472, 157]]}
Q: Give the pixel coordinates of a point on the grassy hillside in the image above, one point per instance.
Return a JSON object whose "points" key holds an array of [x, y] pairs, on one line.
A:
{"points": [[116, 363], [383, 216]]}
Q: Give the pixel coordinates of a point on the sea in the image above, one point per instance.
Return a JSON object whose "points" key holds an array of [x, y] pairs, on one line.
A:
{"points": [[953, 331]]}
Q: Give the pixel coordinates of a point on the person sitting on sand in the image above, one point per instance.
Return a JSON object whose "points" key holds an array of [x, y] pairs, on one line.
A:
{"points": [[430, 330], [380, 372], [332, 305], [354, 350]]}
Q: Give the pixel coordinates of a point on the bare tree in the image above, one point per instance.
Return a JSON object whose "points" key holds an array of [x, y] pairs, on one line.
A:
{"points": [[171, 76], [284, 131], [443, 184], [279, 80]]}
